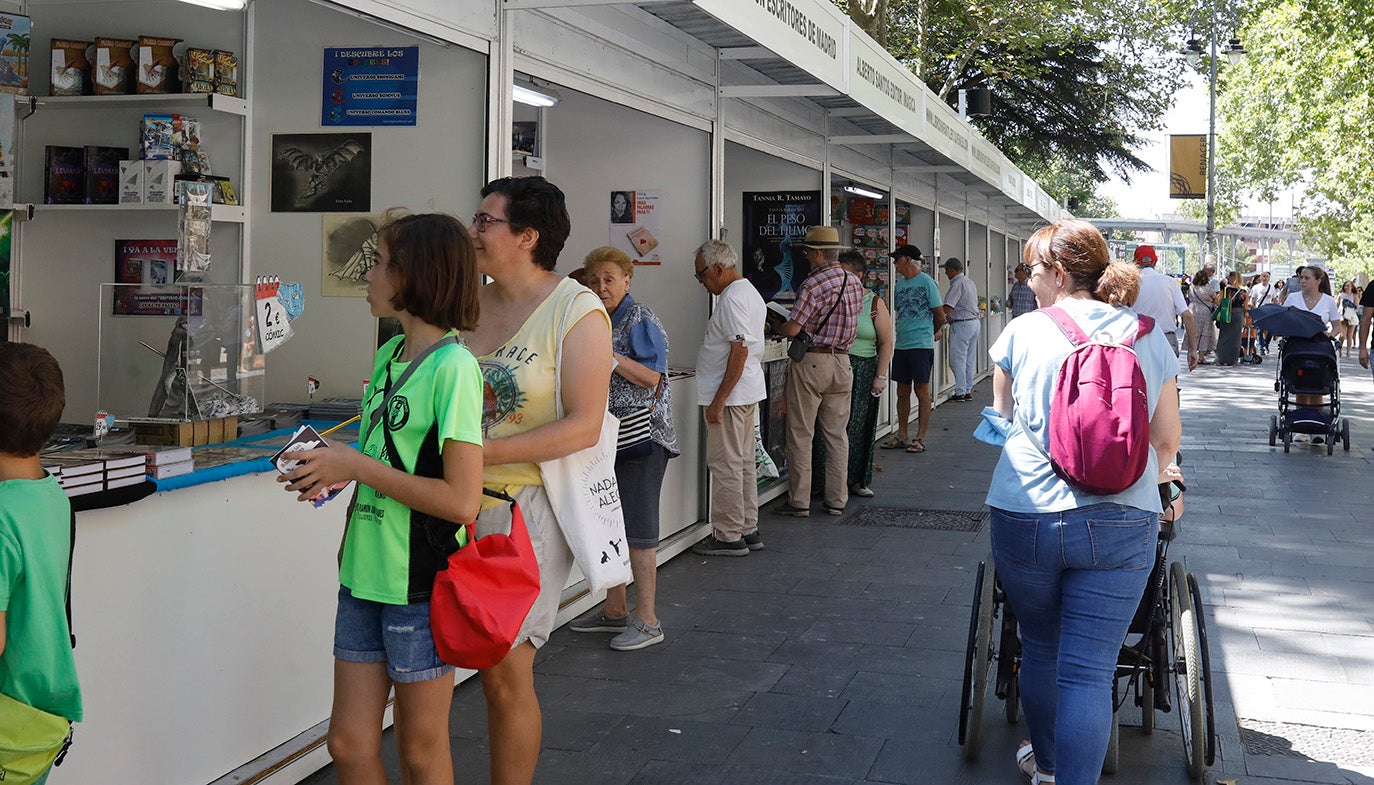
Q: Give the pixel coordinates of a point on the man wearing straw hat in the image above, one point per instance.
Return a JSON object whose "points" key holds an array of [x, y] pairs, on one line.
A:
{"points": [[818, 385]]}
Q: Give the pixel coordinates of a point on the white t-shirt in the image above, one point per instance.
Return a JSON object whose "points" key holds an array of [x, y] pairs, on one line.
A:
{"points": [[1263, 294], [739, 315], [1160, 299], [1326, 307]]}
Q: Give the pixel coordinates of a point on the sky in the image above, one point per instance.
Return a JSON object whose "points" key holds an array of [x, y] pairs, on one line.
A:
{"points": [[1147, 195]]}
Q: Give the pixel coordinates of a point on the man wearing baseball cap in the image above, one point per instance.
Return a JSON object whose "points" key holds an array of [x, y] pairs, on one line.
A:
{"points": [[916, 305], [1162, 300], [820, 384]]}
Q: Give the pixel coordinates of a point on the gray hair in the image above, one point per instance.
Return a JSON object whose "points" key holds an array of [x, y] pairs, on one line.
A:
{"points": [[713, 252]]}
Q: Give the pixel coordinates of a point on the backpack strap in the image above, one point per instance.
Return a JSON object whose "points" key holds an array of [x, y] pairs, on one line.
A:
{"points": [[1076, 335]]}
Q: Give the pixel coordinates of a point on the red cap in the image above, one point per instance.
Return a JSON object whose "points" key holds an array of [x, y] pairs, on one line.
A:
{"points": [[1145, 255]]}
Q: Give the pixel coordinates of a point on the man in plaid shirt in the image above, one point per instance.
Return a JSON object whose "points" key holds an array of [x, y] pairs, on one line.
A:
{"points": [[818, 387]]}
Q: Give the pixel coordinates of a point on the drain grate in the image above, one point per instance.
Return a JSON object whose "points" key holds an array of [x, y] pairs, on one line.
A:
{"points": [[912, 518], [1309, 742]]}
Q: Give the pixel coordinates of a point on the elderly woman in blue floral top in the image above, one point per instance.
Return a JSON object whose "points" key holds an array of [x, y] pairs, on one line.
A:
{"points": [[638, 381]]}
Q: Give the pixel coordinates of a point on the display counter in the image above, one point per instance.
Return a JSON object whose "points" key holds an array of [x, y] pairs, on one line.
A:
{"points": [[204, 615]]}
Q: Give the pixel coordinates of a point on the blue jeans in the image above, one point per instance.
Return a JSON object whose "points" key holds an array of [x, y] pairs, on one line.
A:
{"points": [[1074, 580], [963, 353]]}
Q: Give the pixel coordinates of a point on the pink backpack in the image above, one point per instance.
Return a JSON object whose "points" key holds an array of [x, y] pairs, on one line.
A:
{"points": [[1099, 426]]}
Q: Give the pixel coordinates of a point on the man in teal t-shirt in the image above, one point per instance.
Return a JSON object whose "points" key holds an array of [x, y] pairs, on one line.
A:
{"points": [[915, 300]]}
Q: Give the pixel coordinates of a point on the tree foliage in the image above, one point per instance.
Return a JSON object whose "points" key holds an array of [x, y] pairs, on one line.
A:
{"points": [[1298, 112], [1075, 83]]}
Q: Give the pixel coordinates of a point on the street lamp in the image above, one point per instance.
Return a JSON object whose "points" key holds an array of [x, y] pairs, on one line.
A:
{"points": [[1235, 52]]}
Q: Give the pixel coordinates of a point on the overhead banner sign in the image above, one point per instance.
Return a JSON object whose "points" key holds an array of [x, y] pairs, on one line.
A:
{"points": [[811, 32], [883, 85], [945, 131], [1187, 166], [987, 159]]}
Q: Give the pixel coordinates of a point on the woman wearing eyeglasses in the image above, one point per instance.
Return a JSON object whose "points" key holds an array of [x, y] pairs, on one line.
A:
{"points": [[518, 233]]}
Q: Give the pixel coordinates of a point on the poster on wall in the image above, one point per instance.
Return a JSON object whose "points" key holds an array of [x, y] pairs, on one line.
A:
{"points": [[15, 32], [6, 155], [6, 224], [772, 221], [634, 225], [322, 173], [350, 247], [377, 85], [151, 265]]}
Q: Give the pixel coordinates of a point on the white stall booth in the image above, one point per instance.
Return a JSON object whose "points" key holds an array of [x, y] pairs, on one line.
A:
{"points": [[205, 613]]}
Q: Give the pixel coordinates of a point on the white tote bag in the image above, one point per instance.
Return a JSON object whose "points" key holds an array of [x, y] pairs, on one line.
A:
{"points": [[585, 497]]}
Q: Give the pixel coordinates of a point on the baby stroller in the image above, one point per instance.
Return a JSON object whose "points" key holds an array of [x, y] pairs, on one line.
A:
{"points": [[1307, 366]]}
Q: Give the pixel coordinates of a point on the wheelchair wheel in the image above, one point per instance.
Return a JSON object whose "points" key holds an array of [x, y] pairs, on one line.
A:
{"points": [[1330, 443], [1113, 759], [1187, 668], [1205, 662], [976, 662], [1147, 703], [1345, 435], [1273, 429], [1008, 686]]}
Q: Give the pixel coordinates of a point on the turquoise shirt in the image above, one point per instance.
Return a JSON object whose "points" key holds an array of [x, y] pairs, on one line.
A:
{"points": [[912, 301]]}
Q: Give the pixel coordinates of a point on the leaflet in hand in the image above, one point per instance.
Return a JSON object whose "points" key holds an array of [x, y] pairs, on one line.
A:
{"points": [[305, 438], [780, 310]]}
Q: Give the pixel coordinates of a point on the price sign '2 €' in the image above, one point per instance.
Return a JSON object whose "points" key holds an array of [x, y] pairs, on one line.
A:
{"points": [[274, 323]]}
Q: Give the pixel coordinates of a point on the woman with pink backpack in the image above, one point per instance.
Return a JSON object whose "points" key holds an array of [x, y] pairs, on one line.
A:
{"points": [[1084, 393]]}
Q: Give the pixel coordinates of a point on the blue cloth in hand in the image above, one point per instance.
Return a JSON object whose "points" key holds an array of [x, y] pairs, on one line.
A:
{"points": [[994, 428]]}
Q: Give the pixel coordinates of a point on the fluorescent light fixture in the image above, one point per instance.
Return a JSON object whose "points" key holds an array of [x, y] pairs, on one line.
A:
{"points": [[531, 97], [220, 5], [857, 191]]}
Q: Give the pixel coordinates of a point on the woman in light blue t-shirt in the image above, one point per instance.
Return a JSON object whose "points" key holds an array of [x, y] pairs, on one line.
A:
{"points": [[1074, 565]]}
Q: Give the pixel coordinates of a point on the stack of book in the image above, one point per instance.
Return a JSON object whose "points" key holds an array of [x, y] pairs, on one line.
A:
{"points": [[163, 462], [84, 471]]}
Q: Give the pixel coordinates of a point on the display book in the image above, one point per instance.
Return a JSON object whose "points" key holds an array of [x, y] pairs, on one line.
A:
{"points": [[147, 65]]}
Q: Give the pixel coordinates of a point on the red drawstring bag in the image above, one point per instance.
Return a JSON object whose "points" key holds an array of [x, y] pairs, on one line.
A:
{"points": [[482, 598]]}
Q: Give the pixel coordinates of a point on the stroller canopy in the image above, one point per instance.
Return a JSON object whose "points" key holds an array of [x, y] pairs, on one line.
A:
{"points": [[1288, 321]]}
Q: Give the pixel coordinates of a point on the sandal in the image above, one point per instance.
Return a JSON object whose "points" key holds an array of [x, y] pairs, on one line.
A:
{"points": [[1025, 761], [895, 443], [916, 445]]}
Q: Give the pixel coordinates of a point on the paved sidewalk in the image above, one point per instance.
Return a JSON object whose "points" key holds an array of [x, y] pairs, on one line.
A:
{"points": [[834, 656]]}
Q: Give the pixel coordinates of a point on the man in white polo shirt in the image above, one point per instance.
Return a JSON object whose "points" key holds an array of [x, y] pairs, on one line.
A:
{"points": [[1162, 300]]}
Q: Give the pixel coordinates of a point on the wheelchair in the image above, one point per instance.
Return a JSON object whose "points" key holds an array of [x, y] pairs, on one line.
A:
{"points": [[1164, 664]]}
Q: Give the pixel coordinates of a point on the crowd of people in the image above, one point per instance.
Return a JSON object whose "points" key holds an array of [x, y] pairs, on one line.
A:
{"points": [[485, 382]]}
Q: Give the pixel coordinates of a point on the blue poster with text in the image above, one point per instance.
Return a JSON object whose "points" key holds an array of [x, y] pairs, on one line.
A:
{"points": [[377, 85]]}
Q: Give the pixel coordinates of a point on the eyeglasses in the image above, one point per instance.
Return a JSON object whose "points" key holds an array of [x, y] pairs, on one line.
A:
{"points": [[699, 273], [482, 222], [1030, 268]]}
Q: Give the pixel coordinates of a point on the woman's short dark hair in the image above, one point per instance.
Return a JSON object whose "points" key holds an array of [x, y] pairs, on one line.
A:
{"points": [[32, 398], [433, 267], [1201, 277], [1080, 250], [535, 203], [853, 261]]}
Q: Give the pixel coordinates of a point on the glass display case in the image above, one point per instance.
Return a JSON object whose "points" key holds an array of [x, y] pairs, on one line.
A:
{"points": [[172, 353]]}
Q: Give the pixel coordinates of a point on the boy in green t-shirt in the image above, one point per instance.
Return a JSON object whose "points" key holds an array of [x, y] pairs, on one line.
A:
{"points": [[36, 662]]}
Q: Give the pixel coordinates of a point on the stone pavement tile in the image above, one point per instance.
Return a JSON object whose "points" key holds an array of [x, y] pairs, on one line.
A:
{"points": [[911, 660], [825, 754], [558, 767], [671, 739], [820, 681], [744, 617], [847, 590], [1310, 669], [813, 653], [1282, 767], [816, 608], [699, 702], [1358, 670], [927, 727], [899, 688], [1323, 696], [1279, 641], [739, 646], [790, 712], [1277, 618], [666, 773], [1283, 603], [859, 631]]}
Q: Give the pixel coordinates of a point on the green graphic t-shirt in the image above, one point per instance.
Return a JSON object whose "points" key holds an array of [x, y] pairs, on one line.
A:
{"points": [[37, 666], [385, 558]]}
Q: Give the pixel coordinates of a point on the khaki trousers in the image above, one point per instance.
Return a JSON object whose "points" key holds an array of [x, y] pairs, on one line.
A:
{"points": [[818, 392], [734, 477]]}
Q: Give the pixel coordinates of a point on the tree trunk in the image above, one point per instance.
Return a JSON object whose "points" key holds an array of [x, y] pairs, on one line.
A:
{"points": [[871, 16]]}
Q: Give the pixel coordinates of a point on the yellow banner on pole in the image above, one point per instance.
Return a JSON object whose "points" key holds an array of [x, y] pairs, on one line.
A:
{"points": [[1187, 166]]}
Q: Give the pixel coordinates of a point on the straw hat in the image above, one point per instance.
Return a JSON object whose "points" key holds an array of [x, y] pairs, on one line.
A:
{"points": [[824, 238]]}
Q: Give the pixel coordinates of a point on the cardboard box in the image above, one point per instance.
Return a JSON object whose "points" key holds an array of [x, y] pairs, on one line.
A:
{"points": [[114, 65], [71, 71], [159, 181], [157, 65], [131, 182]]}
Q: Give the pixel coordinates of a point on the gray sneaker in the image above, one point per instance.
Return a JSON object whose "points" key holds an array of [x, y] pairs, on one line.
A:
{"points": [[599, 622], [637, 636], [754, 540], [713, 547]]}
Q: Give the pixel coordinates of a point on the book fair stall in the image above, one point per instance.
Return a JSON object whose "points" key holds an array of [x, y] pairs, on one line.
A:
{"points": [[189, 200]]}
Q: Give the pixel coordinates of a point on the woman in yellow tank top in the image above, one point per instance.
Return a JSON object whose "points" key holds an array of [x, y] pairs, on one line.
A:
{"points": [[518, 233]]}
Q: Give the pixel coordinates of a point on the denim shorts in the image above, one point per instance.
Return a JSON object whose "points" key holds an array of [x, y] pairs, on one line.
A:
{"points": [[367, 631]]}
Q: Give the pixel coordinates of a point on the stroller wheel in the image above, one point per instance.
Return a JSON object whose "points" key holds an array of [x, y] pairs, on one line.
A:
{"points": [[1345, 435], [1273, 429], [1287, 440]]}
